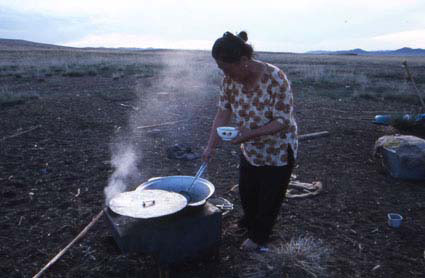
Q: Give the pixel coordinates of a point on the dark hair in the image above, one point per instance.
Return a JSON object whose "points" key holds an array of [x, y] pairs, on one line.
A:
{"points": [[230, 48]]}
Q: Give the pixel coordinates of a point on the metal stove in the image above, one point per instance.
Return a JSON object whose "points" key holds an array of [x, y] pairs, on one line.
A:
{"points": [[188, 234]]}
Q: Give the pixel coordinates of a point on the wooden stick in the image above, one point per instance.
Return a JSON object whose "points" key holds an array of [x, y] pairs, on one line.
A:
{"points": [[414, 84], [80, 235], [334, 110], [352, 119], [232, 189], [162, 124], [358, 112], [20, 133], [376, 111], [313, 135]]}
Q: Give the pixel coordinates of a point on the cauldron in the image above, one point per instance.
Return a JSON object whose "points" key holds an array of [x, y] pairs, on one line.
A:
{"points": [[199, 194]]}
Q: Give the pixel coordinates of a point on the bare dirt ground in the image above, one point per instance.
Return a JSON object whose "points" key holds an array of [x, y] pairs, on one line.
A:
{"points": [[52, 179]]}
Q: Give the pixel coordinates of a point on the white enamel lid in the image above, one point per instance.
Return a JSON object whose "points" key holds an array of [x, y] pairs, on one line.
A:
{"points": [[147, 203]]}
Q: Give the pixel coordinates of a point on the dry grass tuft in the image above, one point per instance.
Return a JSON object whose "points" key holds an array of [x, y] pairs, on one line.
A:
{"points": [[305, 253], [301, 257]]}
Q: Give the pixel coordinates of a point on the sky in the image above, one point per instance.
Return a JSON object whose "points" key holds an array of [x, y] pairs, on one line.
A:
{"points": [[273, 25]]}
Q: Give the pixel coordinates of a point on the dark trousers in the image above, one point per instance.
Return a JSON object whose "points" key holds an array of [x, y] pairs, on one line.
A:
{"points": [[262, 190]]}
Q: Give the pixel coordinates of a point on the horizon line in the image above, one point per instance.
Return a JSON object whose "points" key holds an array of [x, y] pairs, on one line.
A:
{"points": [[203, 49]]}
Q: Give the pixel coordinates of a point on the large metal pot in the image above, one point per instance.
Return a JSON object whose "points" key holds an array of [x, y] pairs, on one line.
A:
{"points": [[199, 194]]}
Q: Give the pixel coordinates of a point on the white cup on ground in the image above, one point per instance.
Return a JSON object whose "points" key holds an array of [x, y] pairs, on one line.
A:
{"points": [[227, 133]]}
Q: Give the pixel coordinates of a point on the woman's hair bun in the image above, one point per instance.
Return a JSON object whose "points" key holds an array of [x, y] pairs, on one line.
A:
{"points": [[243, 35], [230, 48]]}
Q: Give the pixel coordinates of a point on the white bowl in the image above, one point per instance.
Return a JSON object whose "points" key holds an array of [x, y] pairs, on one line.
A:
{"points": [[227, 133]]}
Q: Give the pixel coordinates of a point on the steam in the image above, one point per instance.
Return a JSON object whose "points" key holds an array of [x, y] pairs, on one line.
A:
{"points": [[178, 91], [124, 162]]}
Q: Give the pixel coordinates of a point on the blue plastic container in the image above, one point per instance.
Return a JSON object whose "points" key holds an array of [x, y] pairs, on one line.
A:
{"points": [[394, 220], [382, 119], [420, 117]]}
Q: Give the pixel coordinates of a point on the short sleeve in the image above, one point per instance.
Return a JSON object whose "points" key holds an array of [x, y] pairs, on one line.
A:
{"points": [[282, 100], [223, 101]]}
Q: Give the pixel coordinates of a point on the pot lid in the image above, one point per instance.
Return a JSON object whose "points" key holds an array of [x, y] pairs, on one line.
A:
{"points": [[147, 203]]}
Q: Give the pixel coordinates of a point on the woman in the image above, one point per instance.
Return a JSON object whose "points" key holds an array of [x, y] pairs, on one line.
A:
{"points": [[259, 96]]}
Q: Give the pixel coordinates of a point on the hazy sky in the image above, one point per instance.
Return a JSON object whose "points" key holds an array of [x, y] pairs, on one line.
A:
{"points": [[297, 26]]}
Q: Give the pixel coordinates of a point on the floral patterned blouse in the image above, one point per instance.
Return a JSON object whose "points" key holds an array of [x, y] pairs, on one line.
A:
{"points": [[270, 100]]}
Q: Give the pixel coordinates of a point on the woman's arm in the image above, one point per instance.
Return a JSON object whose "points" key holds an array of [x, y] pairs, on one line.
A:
{"points": [[222, 118], [246, 134]]}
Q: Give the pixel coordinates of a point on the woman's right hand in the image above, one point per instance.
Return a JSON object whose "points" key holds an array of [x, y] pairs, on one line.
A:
{"points": [[208, 154]]}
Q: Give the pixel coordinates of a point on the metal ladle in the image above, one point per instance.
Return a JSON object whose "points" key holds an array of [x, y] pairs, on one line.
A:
{"points": [[198, 174], [201, 170]]}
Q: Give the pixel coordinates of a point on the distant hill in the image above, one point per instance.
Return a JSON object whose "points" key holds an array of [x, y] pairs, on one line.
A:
{"points": [[405, 51], [10, 44]]}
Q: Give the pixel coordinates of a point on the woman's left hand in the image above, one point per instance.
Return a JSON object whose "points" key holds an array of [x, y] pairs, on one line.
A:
{"points": [[244, 134]]}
